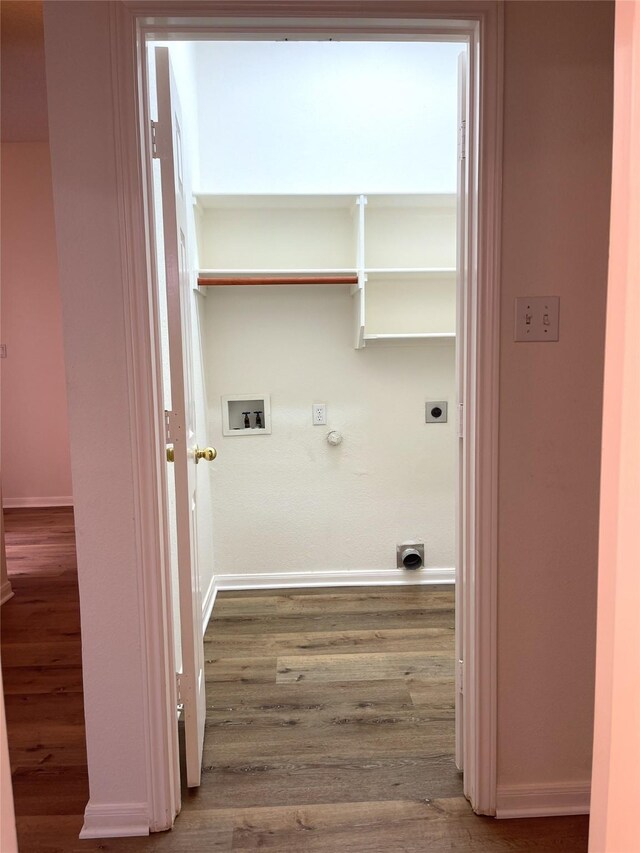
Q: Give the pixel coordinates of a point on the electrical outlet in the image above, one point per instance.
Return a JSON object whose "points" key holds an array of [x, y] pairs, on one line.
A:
{"points": [[319, 412], [435, 412]]}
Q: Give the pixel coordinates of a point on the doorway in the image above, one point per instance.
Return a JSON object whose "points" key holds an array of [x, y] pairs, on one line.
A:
{"points": [[394, 256], [129, 31]]}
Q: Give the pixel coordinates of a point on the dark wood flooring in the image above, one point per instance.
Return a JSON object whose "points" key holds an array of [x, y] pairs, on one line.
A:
{"points": [[330, 723]]}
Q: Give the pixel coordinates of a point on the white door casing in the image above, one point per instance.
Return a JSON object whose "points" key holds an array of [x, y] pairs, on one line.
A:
{"points": [[479, 25], [117, 33], [462, 224], [181, 420]]}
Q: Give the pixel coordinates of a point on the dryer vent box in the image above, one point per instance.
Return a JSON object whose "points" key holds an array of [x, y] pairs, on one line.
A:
{"points": [[410, 555]]}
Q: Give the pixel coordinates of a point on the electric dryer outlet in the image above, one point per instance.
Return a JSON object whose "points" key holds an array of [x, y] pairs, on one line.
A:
{"points": [[436, 412]]}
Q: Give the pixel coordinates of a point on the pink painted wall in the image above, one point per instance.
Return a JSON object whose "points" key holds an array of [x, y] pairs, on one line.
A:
{"points": [[81, 127], [557, 174], [23, 82], [616, 758], [557, 138], [35, 442]]}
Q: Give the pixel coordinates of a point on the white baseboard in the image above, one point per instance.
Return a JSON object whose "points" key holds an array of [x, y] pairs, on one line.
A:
{"points": [[340, 577], [564, 798], [36, 503], [5, 592], [115, 820], [207, 603]]}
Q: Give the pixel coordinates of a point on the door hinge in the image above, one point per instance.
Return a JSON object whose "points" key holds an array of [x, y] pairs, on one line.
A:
{"points": [[154, 140], [462, 140], [179, 698], [171, 427], [459, 676], [460, 420]]}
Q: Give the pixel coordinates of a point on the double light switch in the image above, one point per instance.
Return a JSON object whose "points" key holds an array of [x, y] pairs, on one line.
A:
{"points": [[537, 318]]}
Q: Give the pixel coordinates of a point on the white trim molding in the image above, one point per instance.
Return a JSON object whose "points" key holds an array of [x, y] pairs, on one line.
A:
{"points": [[146, 418], [339, 577], [6, 592], [480, 494], [207, 603], [37, 503], [479, 23], [543, 800], [115, 820]]}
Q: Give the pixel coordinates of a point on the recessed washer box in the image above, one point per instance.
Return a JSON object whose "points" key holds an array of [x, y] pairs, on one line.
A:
{"points": [[237, 407]]}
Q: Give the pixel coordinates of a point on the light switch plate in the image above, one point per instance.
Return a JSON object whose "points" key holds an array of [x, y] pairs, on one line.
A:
{"points": [[537, 318]]}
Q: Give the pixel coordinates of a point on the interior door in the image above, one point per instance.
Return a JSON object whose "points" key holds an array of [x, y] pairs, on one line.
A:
{"points": [[462, 214], [181, 419]]}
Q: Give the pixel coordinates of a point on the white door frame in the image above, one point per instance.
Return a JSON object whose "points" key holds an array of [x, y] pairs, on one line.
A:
{"points": [[480, 21]]}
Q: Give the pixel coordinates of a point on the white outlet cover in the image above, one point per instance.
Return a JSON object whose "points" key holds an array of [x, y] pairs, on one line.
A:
{"points": [[537, 318], [319, 414]]}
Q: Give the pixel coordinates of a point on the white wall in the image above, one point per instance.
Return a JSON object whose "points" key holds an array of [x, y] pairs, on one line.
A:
{"points": [[289, 501], [327, 117], [323, 117]]}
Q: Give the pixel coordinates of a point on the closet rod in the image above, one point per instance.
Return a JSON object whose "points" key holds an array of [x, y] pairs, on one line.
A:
{"points": [[276, 279]]}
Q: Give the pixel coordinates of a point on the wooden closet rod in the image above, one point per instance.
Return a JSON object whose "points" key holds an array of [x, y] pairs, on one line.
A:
{"points": [[219, 281]]}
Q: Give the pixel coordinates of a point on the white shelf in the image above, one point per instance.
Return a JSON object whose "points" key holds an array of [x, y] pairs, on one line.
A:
{"points": [[409, 232], [234, 271], [378, 272], [400, 247], [278, 233], [412, 305], [430, 201], [274, 202], [410, 272], [418, 336]]}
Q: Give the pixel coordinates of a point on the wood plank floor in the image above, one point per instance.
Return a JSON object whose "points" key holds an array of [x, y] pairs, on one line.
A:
{"points": [[330, 721]]}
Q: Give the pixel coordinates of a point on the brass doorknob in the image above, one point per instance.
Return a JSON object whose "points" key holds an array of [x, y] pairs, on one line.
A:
{"points": [[208, 453]]}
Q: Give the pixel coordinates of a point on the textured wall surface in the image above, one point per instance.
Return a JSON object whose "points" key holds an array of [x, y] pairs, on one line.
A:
{"points": [[290, 502]]}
